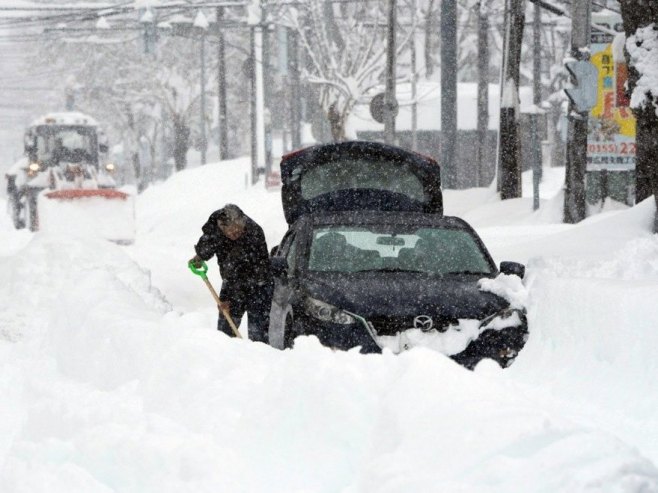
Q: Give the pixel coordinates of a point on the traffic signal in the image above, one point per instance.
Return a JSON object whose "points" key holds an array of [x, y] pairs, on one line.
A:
{"points": [[585, 77]]}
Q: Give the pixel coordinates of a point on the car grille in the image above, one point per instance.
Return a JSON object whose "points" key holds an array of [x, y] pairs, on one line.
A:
{"points": [[388, 326]]}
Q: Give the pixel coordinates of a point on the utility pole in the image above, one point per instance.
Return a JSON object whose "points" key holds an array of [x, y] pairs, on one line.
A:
{"points": [[252, 104], [390, 101], [222, 120], [295, 90], [536, 99], [536, 55], [574, 196], [414, 79], [255, 19], [147, 19], [260, 96], [268, 83], [204, 139], [509, 144], [201, 24], [449, 91], [69, 93], [483, 90]]}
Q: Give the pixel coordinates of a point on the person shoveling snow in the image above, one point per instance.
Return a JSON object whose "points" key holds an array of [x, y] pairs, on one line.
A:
{"points": [[244, 264]]}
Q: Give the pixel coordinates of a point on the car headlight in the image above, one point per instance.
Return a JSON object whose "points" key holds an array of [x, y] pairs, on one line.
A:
{"points": [[110, 167], [505, 318], [326, 312]]}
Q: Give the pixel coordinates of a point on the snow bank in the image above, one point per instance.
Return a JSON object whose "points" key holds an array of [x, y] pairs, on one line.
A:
{"points": [[596, 238], [592, 313], [12, 240], [170, 216], [110, 391], [105, 388]]}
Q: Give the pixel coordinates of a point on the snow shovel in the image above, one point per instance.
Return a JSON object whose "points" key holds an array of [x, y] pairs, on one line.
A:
{"points": [[201, 272]]}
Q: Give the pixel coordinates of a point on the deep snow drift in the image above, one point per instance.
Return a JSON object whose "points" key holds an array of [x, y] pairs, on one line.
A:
{"points": [[112, 377]]}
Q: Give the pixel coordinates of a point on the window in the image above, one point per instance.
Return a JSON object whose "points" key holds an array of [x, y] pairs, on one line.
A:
{"points": [[291, 257], [348, 174], [66, 144], [288, 249], [431, 250]]}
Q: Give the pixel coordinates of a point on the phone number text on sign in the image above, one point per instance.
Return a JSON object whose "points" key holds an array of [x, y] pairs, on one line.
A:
{"points": [[623, 148]]}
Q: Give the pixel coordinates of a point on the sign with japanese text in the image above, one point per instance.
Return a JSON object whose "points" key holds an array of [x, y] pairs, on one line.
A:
{"points": [[611, 134]]}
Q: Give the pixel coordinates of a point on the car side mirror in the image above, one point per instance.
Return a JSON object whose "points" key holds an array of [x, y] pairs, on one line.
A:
{"points": [[512, 268], [279, 266]]}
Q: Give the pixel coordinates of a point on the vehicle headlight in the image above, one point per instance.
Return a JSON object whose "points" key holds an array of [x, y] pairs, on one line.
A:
{"points": [[33, 169], [326, 312], [110, 167], [505, 318]]}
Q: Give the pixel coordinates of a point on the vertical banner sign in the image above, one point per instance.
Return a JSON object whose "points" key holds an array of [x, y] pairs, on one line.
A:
{"points": [[611, 133]]}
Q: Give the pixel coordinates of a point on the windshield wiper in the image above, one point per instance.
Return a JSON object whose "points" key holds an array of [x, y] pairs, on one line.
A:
{"points": [[391, 269]]}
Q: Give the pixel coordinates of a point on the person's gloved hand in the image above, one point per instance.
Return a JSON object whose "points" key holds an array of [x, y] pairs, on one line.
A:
{"points": [[196, 261]]}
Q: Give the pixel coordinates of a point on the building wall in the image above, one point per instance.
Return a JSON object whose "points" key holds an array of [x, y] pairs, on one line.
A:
{"points": [[429, 143]]}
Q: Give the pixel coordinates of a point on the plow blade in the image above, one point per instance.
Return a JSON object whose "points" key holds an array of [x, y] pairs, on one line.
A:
{"points": [[107, 213]]}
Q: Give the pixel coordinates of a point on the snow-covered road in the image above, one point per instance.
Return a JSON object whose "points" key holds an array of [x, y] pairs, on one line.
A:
{"points": [[113, 379]]}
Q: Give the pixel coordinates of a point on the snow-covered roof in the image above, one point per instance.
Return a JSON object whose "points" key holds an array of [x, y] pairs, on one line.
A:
{"points": [[65, 118], [429, 108]]}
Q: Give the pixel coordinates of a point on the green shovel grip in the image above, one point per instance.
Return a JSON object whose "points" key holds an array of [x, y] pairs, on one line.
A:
{"points": [[199, 271]]}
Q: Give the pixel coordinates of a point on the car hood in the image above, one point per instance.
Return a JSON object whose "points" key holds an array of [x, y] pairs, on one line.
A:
{"points": [[375, 295]]}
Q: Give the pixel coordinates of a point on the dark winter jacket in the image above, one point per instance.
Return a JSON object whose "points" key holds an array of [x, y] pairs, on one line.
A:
{"points": [[243, 263]]}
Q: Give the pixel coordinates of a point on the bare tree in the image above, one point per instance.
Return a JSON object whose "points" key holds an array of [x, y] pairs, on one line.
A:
{"points": [[346, 49]]}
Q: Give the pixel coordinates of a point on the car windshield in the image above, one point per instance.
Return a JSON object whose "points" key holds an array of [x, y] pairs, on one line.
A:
{"points": [[359, 174], [57, 144], [431, 250]]}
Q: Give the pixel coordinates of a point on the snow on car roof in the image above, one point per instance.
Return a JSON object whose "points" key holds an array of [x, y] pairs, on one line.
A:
{"points": [[65, 118]]}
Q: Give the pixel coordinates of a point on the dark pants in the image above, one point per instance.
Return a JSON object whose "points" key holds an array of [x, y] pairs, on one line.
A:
{"points": [[257, 302]]}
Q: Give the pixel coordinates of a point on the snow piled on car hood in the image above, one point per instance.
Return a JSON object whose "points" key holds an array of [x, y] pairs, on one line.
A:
{"points": [[508, 287], [454, 340]]}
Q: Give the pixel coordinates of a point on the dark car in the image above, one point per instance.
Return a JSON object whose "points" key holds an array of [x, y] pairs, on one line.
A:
{"points": [[370, 261]]}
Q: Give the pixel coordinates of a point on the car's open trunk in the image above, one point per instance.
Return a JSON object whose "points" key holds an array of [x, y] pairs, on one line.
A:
{"points": [[354, 176]]}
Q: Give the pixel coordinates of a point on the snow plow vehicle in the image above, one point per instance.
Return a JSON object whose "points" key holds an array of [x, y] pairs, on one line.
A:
{"points": [[65, 182]]}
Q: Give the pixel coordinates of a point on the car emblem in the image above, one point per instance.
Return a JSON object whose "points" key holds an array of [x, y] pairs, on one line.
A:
{"points": [[424, 323]]}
